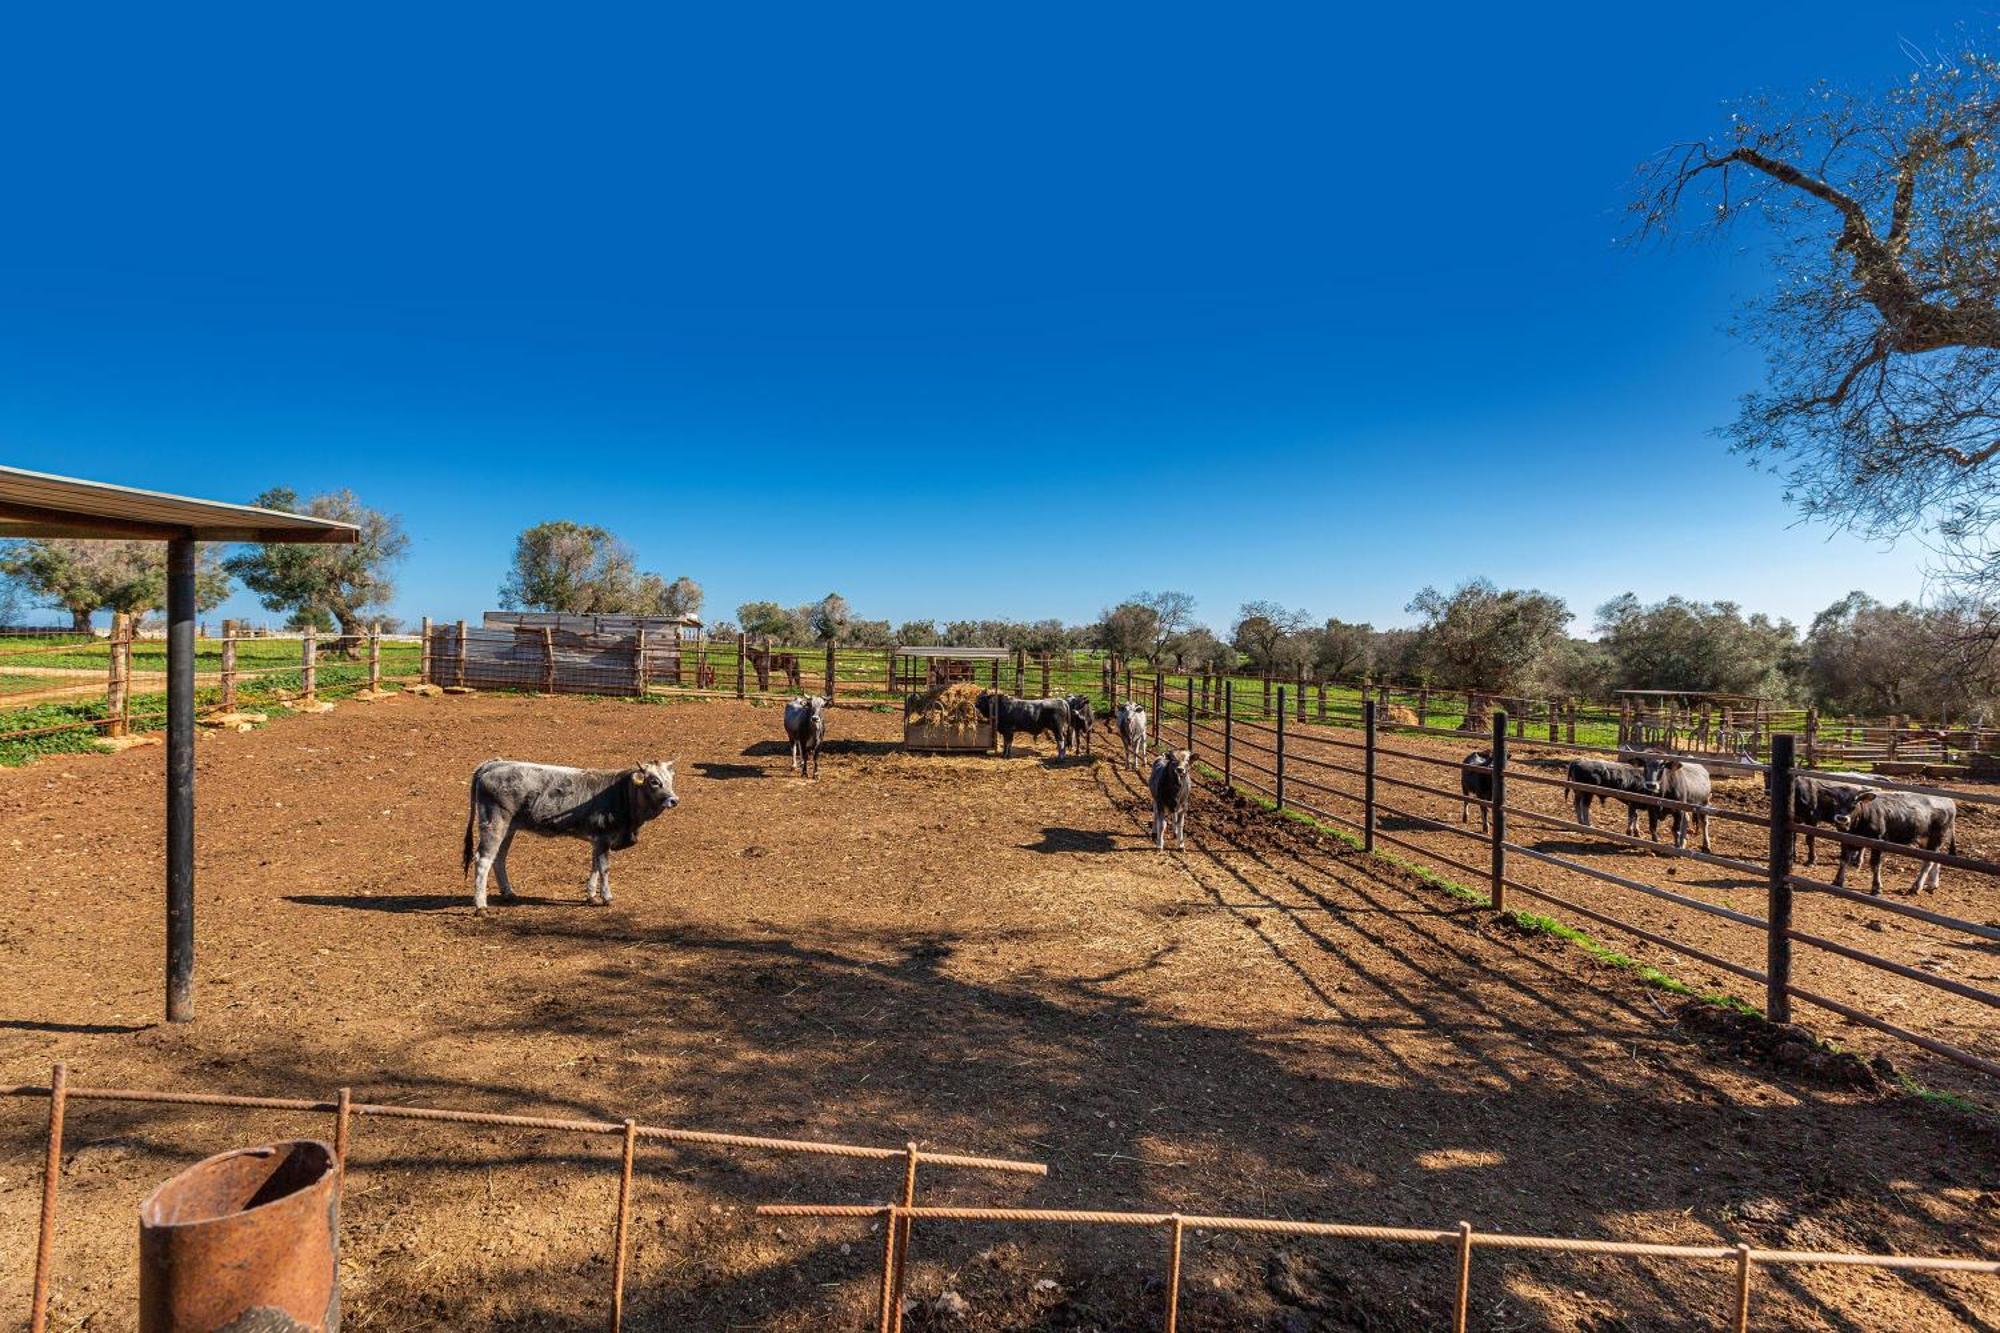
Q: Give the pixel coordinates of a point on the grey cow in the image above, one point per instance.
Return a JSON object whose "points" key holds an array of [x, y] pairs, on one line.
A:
{"points": [[805, 725], [1130, 719], [1170, 782], [1929, 822], [1814, 802], [1687, 784], [606, 806], [1081, 718]]}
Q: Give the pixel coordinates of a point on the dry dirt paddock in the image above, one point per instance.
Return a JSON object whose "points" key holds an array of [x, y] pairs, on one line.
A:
{"points": [[976, 954]]}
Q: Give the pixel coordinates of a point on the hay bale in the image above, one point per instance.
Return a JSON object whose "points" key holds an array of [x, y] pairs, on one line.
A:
{"points": [[954, 706], [1398, 716]]}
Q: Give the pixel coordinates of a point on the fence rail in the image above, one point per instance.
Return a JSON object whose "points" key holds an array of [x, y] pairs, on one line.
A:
{"points": [[1263, 753], [344, 1109]]}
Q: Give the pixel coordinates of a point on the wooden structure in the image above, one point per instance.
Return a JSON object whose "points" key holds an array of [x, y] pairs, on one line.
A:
{"points": [[942, 665], [1694, 721], [38, 504]]}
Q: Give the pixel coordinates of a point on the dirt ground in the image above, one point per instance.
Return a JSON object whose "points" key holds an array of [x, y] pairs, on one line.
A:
{"points": [[981, 955]]}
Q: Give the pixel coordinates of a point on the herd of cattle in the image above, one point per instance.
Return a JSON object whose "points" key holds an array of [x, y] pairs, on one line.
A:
{"points": [[1665, 786], [608, 807]]}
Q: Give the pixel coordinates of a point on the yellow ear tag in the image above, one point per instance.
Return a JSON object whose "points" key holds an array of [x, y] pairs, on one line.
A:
{"points": [[639, 779]]}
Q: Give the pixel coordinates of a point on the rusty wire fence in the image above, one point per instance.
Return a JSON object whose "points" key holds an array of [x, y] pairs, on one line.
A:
{"points": [[343, 1110], [1336, 777], [899, 1217]]}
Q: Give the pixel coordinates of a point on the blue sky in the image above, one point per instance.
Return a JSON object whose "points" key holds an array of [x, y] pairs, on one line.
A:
{"points": [[958, 313]]}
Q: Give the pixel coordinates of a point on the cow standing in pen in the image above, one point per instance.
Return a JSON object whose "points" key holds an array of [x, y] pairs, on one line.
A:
{"points": [[805, 727], [1171, 782], [1011, 716], [1815, 800], [605, 806], [1686, 784], [1130, 719], [1081, 718], [1602, 780], [1475, 783], [1914, 820]]}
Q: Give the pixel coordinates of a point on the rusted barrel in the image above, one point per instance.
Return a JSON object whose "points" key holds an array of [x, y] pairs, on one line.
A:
{"points": [[247, 1242]]}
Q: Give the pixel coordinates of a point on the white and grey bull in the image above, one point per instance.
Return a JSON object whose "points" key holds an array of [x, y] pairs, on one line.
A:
{"points": [[1171, 782], [1686, 784], [1914, 820], [605, 806], [805, 726]]}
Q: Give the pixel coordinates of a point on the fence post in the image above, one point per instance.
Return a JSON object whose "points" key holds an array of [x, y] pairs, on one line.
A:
{"points": [[1045, 675], [116, 683], [1499, 812], [639, 664], [742, 656], [1368, 775], [1281, 743], [1160, 706], [228, 666], [1228, 734], [461, 654], [1555, 719], [1190, 720], [424, 653], [1812, 737], [309, 665], [1267, 692], [375, 658], [1778, 913], [1020, 672], [889, 669], [1423, 704], [829, 673], [1569, 722], [1322, 701], [1300, 702]]}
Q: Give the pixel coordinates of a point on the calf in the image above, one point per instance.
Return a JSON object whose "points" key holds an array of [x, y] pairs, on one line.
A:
{"points": [[1929, 822], [805, 727], [1081, 716], [606, 806], [1681, 781], [1171, 781], [1033, 716], [1619, 779], [1130, 719], [1475, 783]]}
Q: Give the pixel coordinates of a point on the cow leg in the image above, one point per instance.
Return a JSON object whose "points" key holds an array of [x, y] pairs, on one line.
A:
{"points": [[1812, 850], [1631, 821], [1006, 745], [500, 862], [1180, 826], [1706, 846], [1680, 828], [1875, 870], [492, 847], [1159, 828], [599, 881], [1583, 808]]}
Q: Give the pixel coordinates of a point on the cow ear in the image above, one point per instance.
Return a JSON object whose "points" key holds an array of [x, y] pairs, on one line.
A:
{"points": [[1865, 798], [639, 776]]}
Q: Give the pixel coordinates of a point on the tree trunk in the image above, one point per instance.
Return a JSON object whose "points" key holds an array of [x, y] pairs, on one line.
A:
{"points": [[79, 619], [352, 632]]}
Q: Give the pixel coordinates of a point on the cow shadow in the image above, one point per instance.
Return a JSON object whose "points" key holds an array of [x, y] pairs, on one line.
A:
{"points": [[422, 902], [833, 745], [729, 772], [1071, 840]]}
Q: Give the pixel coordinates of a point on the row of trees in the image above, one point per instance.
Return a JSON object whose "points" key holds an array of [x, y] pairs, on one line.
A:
{"points": [[327, 587]]}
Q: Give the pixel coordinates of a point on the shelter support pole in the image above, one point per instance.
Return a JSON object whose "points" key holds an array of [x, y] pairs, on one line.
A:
{"points": [[180, 779], [1778, 939], [1499, 811]]}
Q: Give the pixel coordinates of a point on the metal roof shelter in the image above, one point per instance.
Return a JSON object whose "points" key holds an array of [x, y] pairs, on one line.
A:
{"points": [[38, 504], [974, 654]]}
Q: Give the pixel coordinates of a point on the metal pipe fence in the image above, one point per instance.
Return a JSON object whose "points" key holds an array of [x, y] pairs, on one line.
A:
{"points": [[1221, 738], [1461, 1241], [60, 1093]]}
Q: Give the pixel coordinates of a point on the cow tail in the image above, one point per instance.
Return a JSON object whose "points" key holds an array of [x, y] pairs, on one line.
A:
{"points": [[471, 821]]}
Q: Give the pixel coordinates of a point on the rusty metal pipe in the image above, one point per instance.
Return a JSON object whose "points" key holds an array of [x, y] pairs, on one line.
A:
{"points": [[1461, 1306], [1174, 1275], [248, 1239], [45, 1239], [623, 1228]]}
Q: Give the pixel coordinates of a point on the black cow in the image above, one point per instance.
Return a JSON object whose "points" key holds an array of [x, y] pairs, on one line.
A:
{"points": [[1814, 802], [1082, 717], [1929, 822], [1171, 782], [1618, 779], [1682, 781], [606, 806], [1475, 783], [1033, 716]]}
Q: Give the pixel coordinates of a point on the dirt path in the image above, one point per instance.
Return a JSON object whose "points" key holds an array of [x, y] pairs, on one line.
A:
{"points": [[977, 954]]}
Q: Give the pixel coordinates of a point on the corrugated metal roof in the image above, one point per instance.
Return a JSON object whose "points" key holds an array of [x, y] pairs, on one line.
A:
{"points": [[40, 504], [980, 653]]}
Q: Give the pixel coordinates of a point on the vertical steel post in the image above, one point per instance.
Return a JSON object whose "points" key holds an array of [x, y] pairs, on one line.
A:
{"points": [[424, 652], [1740, 1322], [1461, 1306], [1190, 717], [343, 1111], [375, 659], [742, 657], [180, 779], [1368, 776], [228, 666], [548, 659], [1281, 746], [829, 673], [1499, 821], [1175, 1234], [460, 682], [1778, 939], [1229, 734], [309, 665], [903, 1237], [45, 1239], [639, 681]]}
